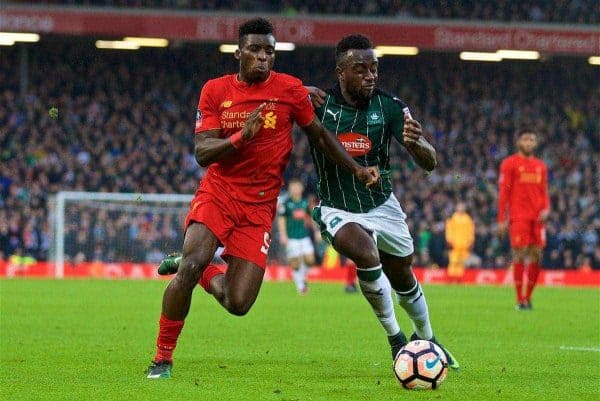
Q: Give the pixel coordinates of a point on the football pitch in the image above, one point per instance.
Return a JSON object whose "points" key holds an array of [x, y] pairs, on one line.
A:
{"points": [[92, 340]]}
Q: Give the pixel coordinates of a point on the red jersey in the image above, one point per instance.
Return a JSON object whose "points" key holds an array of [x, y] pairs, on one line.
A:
{"points": [[523, 188], [252, 173]]}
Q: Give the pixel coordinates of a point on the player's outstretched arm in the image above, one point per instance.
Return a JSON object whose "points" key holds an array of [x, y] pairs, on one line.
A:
{"points": [[330, 146], [421, 151], [210, 147]]}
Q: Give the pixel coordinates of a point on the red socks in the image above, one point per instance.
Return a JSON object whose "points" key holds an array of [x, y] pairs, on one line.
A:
{"points": [[207, 276], [166, 342], [533, 271], [518, 272], [350, 274], [169, 330]]}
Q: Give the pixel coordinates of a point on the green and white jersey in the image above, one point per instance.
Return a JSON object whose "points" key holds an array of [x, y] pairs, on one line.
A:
{"points": [[296, 214], [366, 133]]}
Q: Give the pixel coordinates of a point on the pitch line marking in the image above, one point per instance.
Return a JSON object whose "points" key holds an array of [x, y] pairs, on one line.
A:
{"points": [[588, 349]]}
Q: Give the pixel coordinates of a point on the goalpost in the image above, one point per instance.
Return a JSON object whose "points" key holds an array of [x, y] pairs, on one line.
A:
{"points": [[114, 227]]}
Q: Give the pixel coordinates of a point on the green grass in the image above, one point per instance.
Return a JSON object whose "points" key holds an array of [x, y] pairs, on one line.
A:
{"points": [[92, 340]]}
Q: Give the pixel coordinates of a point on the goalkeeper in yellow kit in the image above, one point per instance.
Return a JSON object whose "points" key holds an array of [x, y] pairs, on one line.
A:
{"points": [[460, 236]]}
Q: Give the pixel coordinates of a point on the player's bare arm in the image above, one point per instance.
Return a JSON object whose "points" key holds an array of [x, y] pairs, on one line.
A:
{"points": [[210, 147], [421, 151], [330, 146], [505, 187]]}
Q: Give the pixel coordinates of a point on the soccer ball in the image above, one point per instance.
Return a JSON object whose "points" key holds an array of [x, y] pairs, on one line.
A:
{"points": [[421, 365]]}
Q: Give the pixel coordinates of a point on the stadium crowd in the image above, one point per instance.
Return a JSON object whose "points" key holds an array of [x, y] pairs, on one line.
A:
{"points": [[125, 124], [579, 11]]}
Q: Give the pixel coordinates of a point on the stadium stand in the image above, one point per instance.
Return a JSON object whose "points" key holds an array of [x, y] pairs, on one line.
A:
{"points": [[125, 124], [579, 11]]}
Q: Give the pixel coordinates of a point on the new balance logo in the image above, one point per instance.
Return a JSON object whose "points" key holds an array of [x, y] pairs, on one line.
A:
{"points": [[333, 114]]}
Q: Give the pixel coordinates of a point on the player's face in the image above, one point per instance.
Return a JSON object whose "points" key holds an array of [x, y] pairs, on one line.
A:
{"points": [[527, 143], [357, 74], [295, 189], [256, 54]]}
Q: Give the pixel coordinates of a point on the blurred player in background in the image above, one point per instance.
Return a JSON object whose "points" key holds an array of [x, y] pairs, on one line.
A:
{"points": [[460, 236], [367, 224], [243, 134], [294, 216], [523, 207]]}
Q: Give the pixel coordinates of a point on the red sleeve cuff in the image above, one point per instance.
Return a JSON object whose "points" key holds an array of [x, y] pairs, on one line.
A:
{"points": [[236, 139]]}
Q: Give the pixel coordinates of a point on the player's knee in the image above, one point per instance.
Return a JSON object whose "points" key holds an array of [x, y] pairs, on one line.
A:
{"points": [[238, 306], [309, 260], [191, 268], [365, 257]]}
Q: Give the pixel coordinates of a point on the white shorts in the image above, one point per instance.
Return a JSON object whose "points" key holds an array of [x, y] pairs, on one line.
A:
{"points": [[386, 223], [299, 247]]}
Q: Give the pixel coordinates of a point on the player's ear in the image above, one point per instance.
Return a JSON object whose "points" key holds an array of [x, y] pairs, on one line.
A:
{"points": [[339, 71], [237, 54]]}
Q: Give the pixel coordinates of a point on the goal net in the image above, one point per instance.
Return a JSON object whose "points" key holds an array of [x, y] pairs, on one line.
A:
{"points": [[115, 227]]}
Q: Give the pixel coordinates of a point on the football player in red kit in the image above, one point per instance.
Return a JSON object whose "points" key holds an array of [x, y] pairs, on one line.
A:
{"points": [[523, 207], [243, 134]]}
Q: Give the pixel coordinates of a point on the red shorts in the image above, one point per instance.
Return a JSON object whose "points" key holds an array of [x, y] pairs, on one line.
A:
{"points": [[526, 233], [243, 228]]}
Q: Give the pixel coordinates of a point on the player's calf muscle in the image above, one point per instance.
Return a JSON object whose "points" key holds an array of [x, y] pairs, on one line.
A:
{"points": [[399, 271], [401, 278]]}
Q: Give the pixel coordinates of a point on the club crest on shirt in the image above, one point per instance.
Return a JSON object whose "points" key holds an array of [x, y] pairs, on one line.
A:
{"points": [[374, 117], [198, 119], [270, 120]]}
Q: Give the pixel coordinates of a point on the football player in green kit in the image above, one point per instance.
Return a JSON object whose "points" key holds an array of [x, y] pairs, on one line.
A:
{"points": [[295, 236], [368, 225]]}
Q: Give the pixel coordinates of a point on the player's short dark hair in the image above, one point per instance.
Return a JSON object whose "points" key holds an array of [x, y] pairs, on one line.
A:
{"points": [[354, 41], [257, 26], [526, 130], [295, 179]]}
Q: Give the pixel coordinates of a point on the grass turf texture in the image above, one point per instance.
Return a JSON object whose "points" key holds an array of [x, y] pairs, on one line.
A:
{"points": [[92, 340]]}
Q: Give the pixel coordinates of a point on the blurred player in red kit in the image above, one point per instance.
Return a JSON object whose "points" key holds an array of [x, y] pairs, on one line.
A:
{"points": [[523, 207], [243, 134]]}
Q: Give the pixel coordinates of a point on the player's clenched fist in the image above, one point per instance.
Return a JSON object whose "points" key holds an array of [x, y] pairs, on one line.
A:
{"points": [[368, 175], [253, 123], [412, 131]]}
